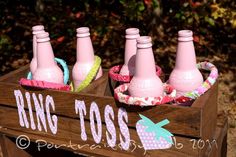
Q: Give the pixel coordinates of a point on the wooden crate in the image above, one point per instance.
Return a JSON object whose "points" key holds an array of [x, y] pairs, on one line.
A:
{"points": [[188, 124], [218, 148]]}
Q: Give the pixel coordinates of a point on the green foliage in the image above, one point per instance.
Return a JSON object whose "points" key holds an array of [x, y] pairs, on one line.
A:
{"points": [[213, 23], [5, 44], [132, 9], [208, 14], [137, 9]]}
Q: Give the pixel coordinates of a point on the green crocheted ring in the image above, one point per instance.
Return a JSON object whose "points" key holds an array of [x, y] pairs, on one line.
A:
{"points": [[90, 76]]}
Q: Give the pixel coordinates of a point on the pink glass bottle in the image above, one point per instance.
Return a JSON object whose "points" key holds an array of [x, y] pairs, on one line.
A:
{"points": [[130, 51], [47, 68], [84, 57], [36, 30], [145, 82], [185, 76]]}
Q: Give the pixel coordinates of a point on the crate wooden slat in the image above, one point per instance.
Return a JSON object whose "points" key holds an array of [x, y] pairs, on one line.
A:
{"points": [[191, 124], [71, 132], [195, 122], [188, 124], [9, 149]]}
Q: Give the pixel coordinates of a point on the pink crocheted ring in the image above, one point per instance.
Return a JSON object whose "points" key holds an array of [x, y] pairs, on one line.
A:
{"points": [[169, 96], [114, 74], [44, 84]]}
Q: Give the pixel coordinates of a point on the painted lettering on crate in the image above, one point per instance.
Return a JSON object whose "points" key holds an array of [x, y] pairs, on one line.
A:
{"points": [[42, 118]]}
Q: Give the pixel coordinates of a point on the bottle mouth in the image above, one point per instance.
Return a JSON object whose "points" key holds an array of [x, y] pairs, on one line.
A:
{"points": [[132, 33], [144, 39], [38, 32], [42, 37], [82, 32], [185, 35], [38, 28], [144, 42]]}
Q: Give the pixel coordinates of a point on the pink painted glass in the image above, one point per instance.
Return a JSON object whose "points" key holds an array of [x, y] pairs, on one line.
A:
{"points": [[85, 57], [130, 51], [185, 76], [36, 30], [47, 69], [145, 82]]}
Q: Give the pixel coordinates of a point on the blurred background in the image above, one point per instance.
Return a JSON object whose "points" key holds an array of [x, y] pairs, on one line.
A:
{"points": [[212, 21]]}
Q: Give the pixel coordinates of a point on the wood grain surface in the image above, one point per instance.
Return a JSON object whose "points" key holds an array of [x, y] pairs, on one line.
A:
{"points": [[69, 136], [190, 121], [197, 121]]}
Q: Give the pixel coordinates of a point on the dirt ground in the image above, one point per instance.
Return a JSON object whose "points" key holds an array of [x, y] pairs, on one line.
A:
{"points": [[228, 106]]}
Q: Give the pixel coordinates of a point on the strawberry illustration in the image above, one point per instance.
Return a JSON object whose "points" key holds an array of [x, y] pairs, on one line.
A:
{"points": [[152, 135]]}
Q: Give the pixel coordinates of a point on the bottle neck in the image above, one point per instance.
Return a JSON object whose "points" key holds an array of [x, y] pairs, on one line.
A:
{"points": [[130, 51], [34, 46], [186, 57], [84, 50], [145, 63], [45, 56], [35, 32]]}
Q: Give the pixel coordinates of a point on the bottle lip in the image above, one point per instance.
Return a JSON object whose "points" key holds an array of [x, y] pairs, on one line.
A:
{"points": [[42, 37], [82, 32], [144, 42], [185, 35], [38, 28], [144, 39], [132, 33], [38, 32]]}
